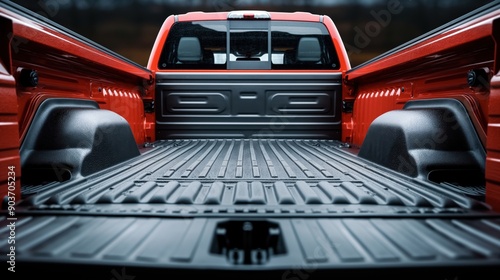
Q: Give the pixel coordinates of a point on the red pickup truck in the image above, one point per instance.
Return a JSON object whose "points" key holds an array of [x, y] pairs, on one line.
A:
{"points": [[247, 148]]}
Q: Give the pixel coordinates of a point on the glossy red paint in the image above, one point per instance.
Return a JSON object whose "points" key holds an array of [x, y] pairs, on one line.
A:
{"points": [[347, 119], [10, 167], [456, 37], [72, 68], [274, 16], [302, 16], [423, 71], [159, 42], [28, 31], [493, 147], [433, 68], [10, 163]]}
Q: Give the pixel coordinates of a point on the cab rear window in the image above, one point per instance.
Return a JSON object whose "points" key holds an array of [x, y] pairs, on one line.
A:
{"points": [[248, 44]]}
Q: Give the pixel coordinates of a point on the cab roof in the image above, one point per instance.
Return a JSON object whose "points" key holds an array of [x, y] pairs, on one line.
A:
{"points": [[289, 16]]}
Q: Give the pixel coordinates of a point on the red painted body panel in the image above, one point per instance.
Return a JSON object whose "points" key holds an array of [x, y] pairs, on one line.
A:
{"points": [[296, 16], [10, 164], [423, 71], [456, 37], [31, 31], [70, 68], [275, 16], [437, 68], [493, 146], [10, 167]]}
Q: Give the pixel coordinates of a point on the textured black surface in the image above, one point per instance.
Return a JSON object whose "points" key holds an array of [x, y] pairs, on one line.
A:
{"points": [[430, 139], [257, 173], [70, 138], [334, 213], [243, 105], [313, 244]]}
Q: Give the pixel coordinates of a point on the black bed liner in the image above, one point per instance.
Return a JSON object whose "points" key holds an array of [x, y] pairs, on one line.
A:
{"points": [[250, 172], [243, 105], [202, 206]]}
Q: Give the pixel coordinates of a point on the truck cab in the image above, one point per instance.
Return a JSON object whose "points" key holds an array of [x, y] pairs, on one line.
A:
{"points": [[248, 74]]}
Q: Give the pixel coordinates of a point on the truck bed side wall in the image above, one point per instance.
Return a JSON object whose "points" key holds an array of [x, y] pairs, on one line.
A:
{"points": [[493, 141], [41, 61], [434, 67], [10, 170]]}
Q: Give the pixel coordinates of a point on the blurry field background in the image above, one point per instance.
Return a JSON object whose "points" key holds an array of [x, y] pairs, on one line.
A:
{"points": [[368, 27]]}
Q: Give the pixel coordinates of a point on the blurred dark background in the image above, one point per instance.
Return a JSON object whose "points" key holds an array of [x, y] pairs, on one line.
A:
{"points": [[368, 27]]}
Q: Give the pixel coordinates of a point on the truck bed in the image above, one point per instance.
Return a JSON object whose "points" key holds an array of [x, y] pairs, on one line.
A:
{"points": [[289, 208]]}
